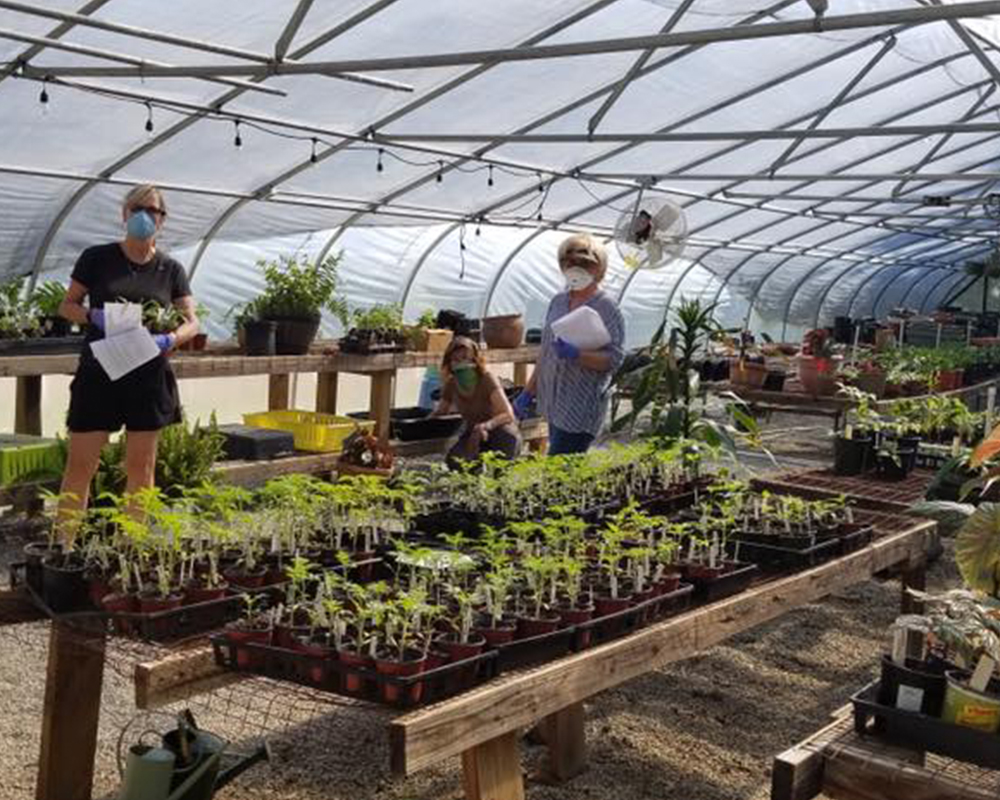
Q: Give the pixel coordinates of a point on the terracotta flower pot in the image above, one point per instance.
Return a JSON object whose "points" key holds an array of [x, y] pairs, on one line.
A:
{"points": [[505, 331], [411, 664], [196, 593], [747, 374], [244, 658], [458, 651], [120, 604], [950, 380], [502, 634], [818, 376], [605, 605], [352, 681], [537, 626]]}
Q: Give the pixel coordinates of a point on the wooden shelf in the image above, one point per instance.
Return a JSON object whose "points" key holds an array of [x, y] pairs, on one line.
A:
{"points": [[191, 365]]}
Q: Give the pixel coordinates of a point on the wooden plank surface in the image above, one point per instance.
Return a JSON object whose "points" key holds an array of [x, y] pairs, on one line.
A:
{"points": [[380, 403], [326, 392], [278, 389], [254, 473], [427, 736], [492, 770], [179, 676], [222, 366], [75, 675], [797, 773]]}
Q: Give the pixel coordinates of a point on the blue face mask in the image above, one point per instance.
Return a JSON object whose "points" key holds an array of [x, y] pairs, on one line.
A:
{"points": [[141, 225]]}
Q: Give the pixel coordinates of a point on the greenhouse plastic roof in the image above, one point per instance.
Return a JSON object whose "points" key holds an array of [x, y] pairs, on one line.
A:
{"points": [[434, 145]]}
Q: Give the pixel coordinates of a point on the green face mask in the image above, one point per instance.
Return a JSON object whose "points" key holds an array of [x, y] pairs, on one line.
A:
{"points": [[466, 376]]}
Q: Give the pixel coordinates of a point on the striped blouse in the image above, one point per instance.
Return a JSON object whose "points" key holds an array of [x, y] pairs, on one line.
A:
{"points": [[570, 396]]}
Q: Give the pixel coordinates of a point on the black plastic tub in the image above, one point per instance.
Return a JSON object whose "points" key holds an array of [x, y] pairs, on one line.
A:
{"points": [[254, 444], [922, 732], [853, 456], [914, 687]]}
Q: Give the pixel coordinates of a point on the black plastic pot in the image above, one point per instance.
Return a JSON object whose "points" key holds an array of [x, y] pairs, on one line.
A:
{"points": [[852, 456], [774, 382], [34, 554], [896, 468], [64, 587], [918, 686], [294, 336], [260, 337]]}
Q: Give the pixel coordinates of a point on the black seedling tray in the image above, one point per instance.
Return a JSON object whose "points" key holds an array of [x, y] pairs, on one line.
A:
{"points": [[171, 625], [614, 626], [920, 732], [726, 585], [854, 537], [775, 558], [365, 683], [53, 345], [253, 444], [787, 541]]}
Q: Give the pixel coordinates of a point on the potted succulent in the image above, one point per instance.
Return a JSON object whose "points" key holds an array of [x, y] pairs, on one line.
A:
{"points": [[296, 292]]}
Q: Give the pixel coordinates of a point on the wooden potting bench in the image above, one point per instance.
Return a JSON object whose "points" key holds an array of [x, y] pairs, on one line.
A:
{"points": [[842, 764], [483, 725], [30, 370]]}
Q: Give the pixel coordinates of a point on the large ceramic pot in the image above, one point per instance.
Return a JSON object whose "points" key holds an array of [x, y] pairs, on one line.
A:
{"points": [[294, 336], [818, 376], [747, 374], [506, 331]]}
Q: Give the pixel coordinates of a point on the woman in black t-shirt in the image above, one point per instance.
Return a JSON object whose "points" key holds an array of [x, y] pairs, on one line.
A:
{"points": [[144, 400]]}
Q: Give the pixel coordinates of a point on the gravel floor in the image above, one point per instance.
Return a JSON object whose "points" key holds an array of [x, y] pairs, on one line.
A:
{"points": [[702, 729]]}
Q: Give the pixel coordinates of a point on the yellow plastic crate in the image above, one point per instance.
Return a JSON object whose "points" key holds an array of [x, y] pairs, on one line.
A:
{"points": [[318, 433]]}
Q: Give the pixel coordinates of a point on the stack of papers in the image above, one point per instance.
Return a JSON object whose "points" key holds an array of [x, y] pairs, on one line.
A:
{"points": [[126, 345]]}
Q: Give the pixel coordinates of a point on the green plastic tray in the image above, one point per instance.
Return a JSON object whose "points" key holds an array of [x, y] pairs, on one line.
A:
{"points": [[25, 457]]}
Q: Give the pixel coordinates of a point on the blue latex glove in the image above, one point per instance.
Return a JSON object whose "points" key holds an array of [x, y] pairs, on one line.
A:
{"points": [[165, 341], [95, 317], [522, 403], [565, 350]]}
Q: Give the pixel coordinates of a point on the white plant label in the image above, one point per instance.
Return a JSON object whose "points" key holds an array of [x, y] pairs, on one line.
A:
{"points": [[848, 431], [899, 646], [909, 698], [982, 674]]}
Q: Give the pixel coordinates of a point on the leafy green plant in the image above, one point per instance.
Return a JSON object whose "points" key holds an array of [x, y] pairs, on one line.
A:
{"points": [[428, 319], [300, 289], [17, 313], [161, 320], [47, 297], [382, 317]]}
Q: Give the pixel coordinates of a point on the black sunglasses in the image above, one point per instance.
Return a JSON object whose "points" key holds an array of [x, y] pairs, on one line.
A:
{"points": [[149, 210]]}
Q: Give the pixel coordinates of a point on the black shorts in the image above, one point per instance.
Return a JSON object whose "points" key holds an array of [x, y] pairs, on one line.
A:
{"points": [[144, 400]]}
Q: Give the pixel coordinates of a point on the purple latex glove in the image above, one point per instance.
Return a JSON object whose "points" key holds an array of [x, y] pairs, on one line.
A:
{"points": [[522, 403], [95, 317], [165, 341], [565, 350]]}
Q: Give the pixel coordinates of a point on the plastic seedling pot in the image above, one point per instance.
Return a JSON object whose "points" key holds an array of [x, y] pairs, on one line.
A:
{"points": [[64, 587], [852, 456], [914, 686], [969, 708]]}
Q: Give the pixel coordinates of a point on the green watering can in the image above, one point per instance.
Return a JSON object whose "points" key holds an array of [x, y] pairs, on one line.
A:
{"points": [[186, 767]]}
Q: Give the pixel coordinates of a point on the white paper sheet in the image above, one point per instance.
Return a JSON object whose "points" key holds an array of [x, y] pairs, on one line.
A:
{"points": [[121, 354], [121, 317], [583, 328]]}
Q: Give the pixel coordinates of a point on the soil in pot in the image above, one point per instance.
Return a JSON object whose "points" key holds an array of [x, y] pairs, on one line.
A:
{"points": [[64, 586], [259, 337], [537, 626], [412, 663], [246, 579], [852, 456], [198, 593]]}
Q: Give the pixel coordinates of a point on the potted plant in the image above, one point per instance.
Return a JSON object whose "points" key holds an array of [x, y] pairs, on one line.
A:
{"points": [[750, 368], [46, 298], [426, 336], [254, 627], [818, 364], [866, 376], [853, 447], [296, 292], [378, 329], [408, 633], [200, 339]]}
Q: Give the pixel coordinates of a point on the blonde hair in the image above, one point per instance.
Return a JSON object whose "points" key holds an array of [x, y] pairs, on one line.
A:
{"points": [[583, 247], [141, 195]]}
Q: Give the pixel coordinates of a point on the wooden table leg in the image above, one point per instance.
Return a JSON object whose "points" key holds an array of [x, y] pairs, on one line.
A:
{"points": [[521, 373], [564, 734], [72, 710], [492, 770], [326, 392], [913, 575], [28, 405], [381, 402], [278, 392]]}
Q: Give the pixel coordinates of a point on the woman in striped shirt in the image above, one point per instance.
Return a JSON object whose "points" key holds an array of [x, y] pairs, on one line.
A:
{"points": [[572, 384]]}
